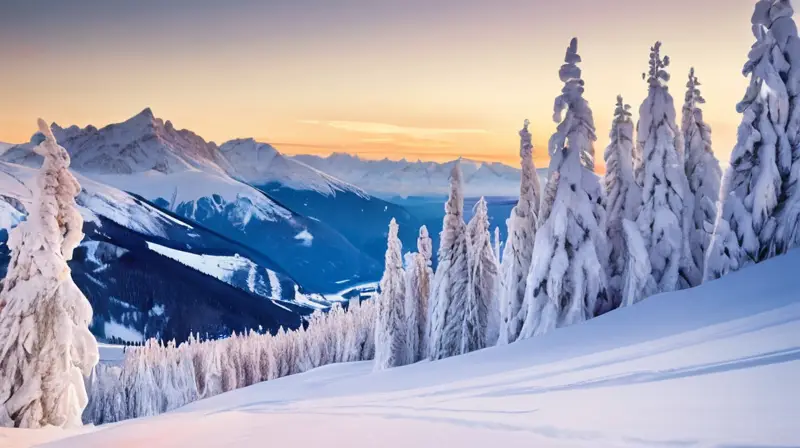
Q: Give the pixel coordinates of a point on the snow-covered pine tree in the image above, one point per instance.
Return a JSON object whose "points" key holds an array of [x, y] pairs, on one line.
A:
{"points": [[521, 225], [622, 194], [664, 188], [418, 287], [761, 161], [774, 19], [450, 283], [703, 174], [482, 316], [567, 276], [45, 345], [390, 331]]}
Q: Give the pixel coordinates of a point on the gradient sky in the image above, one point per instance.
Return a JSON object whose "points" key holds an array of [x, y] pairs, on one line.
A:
{"points": [[429, 79]]}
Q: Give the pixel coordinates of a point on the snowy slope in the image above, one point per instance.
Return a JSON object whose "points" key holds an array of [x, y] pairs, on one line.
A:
{"points": [[418, 178], [716, 366]]}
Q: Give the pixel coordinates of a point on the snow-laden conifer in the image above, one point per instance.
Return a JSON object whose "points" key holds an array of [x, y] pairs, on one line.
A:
{"points": [[450, 283], [418, 287], [622, 194], [775, 20], [390, 331], [482, 316], [761, 161], [567, 277], [518, 249], [45, 345], [664, 188], [703, 173]]}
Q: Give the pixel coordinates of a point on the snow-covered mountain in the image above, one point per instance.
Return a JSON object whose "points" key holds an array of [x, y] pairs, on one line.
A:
{"points": [[142, 143], [401, 177], [148, 272], [261, 164], [224, 189]]}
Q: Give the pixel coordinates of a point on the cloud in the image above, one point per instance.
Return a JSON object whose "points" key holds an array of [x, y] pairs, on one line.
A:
{"points": [[366, 127]]}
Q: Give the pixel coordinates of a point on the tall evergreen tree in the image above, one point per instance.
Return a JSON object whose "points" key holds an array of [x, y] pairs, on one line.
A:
{"points": [[567, 276], [480, 323], [451, 281], [703, 174], [782, 27], [622, 194], [390, 331], [418, 288], [664, 188], [518, 250], [761, 161], [45, 345]]}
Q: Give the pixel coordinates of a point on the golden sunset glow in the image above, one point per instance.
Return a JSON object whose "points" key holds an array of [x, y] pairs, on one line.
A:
{"points": [[377, 78]]}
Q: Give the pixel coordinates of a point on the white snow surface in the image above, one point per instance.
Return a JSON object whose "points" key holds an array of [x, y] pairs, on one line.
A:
{"points": [[306, 237], [116, 329], [707, 367], [221, 267]]}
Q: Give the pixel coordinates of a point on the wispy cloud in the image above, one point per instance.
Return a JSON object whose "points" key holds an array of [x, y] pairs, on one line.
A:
{"points": [[366, 127]]}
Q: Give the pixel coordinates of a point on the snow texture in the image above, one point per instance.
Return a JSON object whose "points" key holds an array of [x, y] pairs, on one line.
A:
{"points": [[217, 266]]}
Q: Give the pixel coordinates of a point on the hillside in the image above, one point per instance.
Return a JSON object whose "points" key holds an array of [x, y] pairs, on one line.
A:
{"points": [[704, 367]]}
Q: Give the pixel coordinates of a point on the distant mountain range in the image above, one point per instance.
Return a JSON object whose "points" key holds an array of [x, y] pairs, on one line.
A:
{"points": [[184, 235], [404, 178]]}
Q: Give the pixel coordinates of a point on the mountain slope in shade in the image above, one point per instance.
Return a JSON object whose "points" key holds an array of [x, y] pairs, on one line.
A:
{"points": [[388, 177], [127, 267]]}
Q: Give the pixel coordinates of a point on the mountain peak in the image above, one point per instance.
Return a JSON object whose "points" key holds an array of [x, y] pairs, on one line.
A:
{"points": [[146, 113]]}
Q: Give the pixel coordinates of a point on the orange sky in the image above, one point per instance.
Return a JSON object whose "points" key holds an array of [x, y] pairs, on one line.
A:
{"points": [[415, 79]]}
